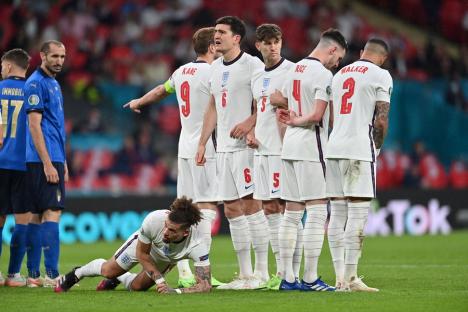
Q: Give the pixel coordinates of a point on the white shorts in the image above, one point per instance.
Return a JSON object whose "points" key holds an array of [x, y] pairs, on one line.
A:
{"points": [[302, 180], [235, 174], [197, 182], [267, 177], [350, 178], [126, 256]]}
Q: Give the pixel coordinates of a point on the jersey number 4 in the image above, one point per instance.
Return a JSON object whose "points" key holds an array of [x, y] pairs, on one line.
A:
{"points": [[297, 95], [346, 106], [185, 96], [14, 118]]}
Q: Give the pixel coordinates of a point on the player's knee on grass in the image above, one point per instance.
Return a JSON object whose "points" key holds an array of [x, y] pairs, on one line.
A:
{"points": [[110, 269], [142, 282]]}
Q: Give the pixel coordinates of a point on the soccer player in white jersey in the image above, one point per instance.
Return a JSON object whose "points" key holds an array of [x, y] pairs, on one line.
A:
{"points": [[230, 111], [165, 237], [361, 100], [190, 83], [266, 137], [308, 90]]}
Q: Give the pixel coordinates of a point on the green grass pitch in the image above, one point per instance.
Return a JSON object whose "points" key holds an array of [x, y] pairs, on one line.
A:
{"points": [[426, 273]]}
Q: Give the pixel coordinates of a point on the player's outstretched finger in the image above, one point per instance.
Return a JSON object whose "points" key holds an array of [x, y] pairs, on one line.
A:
{"points": [[126, 105]]}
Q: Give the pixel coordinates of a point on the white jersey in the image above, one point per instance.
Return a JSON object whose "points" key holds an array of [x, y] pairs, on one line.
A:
{"points": [[355, 89], [307, 81], [152, 232], [190, 82], [230, 84], [266, 128]]}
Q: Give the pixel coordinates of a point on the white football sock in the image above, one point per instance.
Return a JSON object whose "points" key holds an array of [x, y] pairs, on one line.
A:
{"points": [[354, 236], [288, 234], [126, 279], [92, 268], [298, 250], [314, 233], [208, 217], [338, 217], [258, 227], [184, 269], [274, 221], [240, 236]]}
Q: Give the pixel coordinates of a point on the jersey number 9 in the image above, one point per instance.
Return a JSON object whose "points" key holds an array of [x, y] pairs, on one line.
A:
{"points": [[185, 96]]}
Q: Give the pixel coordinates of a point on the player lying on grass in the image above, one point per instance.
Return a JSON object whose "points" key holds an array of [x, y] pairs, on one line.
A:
{"points": [[165, 237]]}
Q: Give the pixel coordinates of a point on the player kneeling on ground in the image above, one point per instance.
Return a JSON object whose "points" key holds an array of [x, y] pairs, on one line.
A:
{"points": [[165, 237]]}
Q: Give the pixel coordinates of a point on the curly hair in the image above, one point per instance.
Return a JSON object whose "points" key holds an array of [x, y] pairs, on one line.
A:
{"points": [[185, 212]]}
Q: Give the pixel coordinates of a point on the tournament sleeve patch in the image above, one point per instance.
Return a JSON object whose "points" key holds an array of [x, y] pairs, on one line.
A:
{"points": [[33, 99], [204, 258], [168, 87]]}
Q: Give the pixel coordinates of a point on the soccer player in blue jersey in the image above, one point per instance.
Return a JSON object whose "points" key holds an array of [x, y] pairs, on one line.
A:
{"points": [[15, 63], [46, 165]]}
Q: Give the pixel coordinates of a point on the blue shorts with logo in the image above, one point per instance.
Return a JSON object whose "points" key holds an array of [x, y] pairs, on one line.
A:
{"points": [[41, 194]]}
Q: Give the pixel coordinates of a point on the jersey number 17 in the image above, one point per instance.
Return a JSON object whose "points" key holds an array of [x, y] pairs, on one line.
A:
{"points": [[14, 118]]}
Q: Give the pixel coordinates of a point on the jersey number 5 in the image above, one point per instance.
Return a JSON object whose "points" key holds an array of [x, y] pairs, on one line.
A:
{"points": [[345, 105], [185, 96], [14, 118]]}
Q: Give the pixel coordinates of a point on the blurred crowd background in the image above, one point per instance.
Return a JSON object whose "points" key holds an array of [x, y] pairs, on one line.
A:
{"points": [[118, 50]]}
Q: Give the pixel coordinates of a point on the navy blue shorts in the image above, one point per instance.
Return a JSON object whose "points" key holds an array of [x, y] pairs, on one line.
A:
{"points": [[44, 195], [12, 191]]}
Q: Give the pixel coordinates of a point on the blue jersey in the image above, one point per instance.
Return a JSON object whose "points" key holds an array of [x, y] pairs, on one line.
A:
{"points": [[13, 152], [43, 94]]}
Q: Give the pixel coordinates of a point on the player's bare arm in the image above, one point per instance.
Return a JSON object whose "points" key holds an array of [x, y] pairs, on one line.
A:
{"points": [[381, 122], [306, 120], [209, 124], [156, 94], [278, 100], [144, 258], [203, 278], [34, 119], [242, 129], [331, 119]]}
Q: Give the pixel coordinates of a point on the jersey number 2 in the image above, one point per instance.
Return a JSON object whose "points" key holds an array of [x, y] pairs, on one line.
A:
{"points": [[346, 106], [14, 118], [185, 96]]}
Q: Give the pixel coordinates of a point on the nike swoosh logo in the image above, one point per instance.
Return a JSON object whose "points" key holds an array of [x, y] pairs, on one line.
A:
{"points": [[247, 187], [274, 191]]}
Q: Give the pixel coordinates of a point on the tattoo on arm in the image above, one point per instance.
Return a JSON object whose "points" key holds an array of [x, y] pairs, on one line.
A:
{"points": [[380, 123], [203, 277]]}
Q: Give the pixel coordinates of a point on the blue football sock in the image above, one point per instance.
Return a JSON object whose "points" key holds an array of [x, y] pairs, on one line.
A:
{"points": [[34, 250], [17, 248], [51, 247]]}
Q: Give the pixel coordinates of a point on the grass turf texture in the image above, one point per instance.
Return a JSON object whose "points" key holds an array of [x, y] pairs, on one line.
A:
{"points": [[426, 273]]}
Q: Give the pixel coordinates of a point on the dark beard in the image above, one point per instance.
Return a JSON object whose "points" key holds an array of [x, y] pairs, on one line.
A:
{"points": [[53, 70]]}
